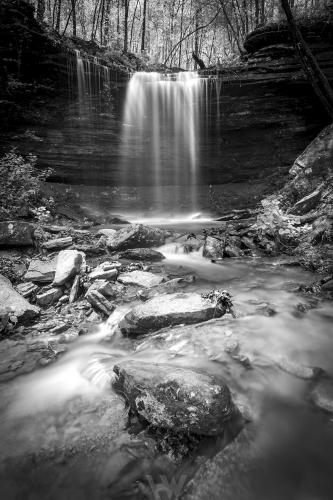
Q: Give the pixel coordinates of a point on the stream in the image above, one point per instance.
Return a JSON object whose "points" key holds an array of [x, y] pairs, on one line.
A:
{"points": [[63, 427]]}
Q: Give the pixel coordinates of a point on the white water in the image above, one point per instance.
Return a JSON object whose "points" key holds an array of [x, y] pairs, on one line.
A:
{"points": [[161, 129]]}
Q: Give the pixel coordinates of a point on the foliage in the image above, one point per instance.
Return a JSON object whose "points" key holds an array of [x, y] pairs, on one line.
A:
{"points": [[169, 31], [20, 188]]}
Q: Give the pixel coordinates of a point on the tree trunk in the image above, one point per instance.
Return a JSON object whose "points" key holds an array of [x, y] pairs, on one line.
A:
{"points": [[107, 22], [40, 10], [126, 4], [309, 63], [74, 16], [143, 39], [58, 16]]}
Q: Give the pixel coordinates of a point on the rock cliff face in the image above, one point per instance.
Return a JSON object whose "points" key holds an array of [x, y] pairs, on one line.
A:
{"points": [[265, 109]]}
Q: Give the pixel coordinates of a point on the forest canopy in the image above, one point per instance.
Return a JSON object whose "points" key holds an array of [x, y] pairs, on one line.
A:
{"points": [[170, 31]]}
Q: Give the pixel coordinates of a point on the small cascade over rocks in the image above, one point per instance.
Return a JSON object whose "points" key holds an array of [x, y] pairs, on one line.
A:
{"points": [[161, 134]]}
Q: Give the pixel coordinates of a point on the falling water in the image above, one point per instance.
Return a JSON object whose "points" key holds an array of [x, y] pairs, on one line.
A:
{"points": [[161, 134], [91, 79]]}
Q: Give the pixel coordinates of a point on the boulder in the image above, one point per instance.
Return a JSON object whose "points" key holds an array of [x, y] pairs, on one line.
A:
{"points": [[58, 244], [141, 254], [49, 297], [322, 395], [16, 234], [140, 278], [166, 310], [13, 303], [41, 270], [175, 398], [68, 265], [135, 236], [213, 248]]}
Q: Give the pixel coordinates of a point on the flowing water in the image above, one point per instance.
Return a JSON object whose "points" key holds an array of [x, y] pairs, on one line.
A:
{"points": [[63, 427]]}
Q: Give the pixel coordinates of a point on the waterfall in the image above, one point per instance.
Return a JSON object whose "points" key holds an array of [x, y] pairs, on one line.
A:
{"points": [[160, 138], [91, 78]]}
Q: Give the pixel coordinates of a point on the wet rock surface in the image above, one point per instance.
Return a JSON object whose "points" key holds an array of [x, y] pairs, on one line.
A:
{"points": [[167, 310], [135, 236], [141, 254], [176, 398]]}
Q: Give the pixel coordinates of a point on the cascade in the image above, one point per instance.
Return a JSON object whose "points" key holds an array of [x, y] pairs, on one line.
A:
{"points": [[91, 78], [161, 135]]}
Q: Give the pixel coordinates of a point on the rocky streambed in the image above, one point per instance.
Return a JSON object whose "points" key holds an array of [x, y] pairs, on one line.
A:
{"points": [[136, 358]]}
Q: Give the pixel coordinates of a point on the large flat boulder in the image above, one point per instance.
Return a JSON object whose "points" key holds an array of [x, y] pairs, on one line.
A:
{"points": [[41, 270], [68, 265], [171, 397], [140, 278], [14, 234], [166, 310], [135, 236], [11, 302]]}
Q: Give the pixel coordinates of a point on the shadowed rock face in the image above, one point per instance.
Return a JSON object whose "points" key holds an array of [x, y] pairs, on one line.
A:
{"points": [[11, 302], [175, 398], [167, 310]]}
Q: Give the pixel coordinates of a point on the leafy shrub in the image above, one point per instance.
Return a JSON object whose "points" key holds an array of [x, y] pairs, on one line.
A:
{"points": [[20, 187]]}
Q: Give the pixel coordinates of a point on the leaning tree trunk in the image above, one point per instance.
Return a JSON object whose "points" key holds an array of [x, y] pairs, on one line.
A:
{"points": [[316, 77]]}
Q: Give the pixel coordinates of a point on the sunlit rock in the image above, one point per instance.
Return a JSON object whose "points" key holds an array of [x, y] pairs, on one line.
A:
{"points": [[135, 236], [68, 265], [176, 398], [166, 310]]}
